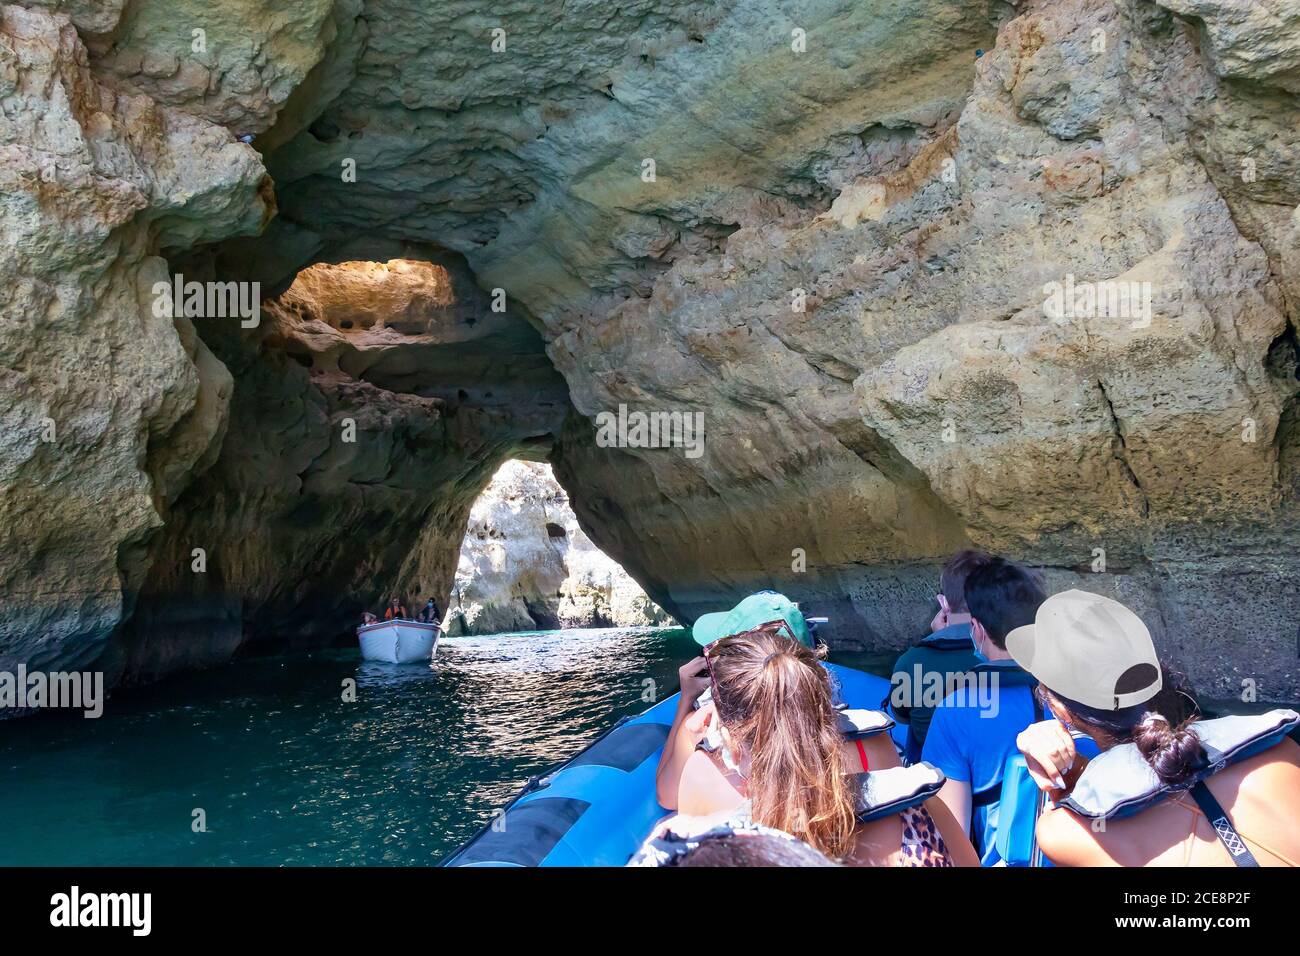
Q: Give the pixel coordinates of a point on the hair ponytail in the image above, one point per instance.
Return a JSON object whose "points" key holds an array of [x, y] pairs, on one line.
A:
{"points": [[775, 701]]}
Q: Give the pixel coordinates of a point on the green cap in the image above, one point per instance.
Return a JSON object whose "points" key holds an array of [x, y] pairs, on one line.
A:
{"points": [[754, 611]]}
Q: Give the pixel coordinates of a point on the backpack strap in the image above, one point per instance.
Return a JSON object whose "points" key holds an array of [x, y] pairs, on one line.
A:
{"points": [[1227, 833]]}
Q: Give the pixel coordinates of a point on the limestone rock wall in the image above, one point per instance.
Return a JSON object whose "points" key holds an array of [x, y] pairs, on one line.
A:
{"points": [[372, 404], [525, 564], [106, 408], [829, 228], [925, 397]]}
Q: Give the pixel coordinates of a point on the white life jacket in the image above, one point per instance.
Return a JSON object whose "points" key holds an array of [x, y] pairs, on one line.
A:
{"points": [[880, 793], [1119, 782], [861, 724]]}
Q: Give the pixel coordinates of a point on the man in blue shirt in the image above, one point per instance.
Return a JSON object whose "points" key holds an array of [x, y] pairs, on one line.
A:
{"points": [[925, 674], [974, 730]]}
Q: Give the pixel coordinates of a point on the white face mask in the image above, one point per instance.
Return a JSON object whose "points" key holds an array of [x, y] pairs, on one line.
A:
{"points": [[713, 736], [728, 758], [729, 761]]}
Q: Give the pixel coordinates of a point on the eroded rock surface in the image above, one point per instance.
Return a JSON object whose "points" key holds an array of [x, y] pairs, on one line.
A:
{"points": [[841, 255], [925, 396], [107, 408], [371, 406], [525, 564]]}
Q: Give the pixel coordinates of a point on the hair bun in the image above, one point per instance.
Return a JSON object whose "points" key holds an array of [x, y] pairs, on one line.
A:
{"points": [[1174, 753]]}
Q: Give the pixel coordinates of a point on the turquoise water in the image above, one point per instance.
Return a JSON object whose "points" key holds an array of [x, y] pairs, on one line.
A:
{"points": [[287, 773]]}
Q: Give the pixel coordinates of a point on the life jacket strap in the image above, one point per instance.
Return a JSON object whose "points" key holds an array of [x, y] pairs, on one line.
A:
{"points": [[1227, 833]]}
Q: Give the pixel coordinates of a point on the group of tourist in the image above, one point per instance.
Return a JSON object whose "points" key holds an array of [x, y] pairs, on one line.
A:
{"points": [[763, 765], [396, 611]]}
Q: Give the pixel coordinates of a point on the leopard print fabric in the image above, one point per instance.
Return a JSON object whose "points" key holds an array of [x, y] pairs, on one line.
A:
{"points": [[922, 842]]}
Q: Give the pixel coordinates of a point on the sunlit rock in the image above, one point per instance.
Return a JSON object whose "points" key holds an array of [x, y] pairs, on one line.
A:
{"points": [[842, 233], [525, 564], [109, 405]]}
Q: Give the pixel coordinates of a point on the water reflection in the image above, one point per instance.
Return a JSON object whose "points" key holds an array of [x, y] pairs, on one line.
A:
{"points": [[289, 773]]}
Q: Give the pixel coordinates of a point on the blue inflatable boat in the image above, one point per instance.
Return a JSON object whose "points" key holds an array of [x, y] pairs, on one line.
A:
{"points": [[597, 808]]}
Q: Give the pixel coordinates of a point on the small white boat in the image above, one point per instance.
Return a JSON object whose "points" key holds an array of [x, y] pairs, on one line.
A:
{"points": [[398, 642]]}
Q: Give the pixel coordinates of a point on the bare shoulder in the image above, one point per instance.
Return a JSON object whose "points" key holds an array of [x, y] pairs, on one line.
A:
{"points": [[1269, 780], [881, 754], [1271, 777], [1068, 840], [1282, 759], [704, 789]]}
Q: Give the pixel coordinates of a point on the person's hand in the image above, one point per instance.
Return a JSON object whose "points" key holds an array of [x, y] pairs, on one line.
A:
{"points": [[693, 677], [940, 621], [661, 827], [696, 726], [1049, 753]]}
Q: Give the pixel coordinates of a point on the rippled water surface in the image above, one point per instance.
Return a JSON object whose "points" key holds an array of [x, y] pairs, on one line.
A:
{"points": [[288, 774]]}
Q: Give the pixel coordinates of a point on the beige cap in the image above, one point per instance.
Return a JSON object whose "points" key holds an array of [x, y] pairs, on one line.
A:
{"points": [[1079, 646]]}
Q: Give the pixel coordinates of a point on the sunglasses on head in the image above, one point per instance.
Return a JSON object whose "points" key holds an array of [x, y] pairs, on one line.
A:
{"points": [[771, 627]]}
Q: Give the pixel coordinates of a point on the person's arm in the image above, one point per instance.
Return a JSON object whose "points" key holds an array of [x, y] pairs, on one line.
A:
{"points": [[1053, 761], [943, 749], [679, 749], [681, 742], [954, 836], [1068, 841], [956, 796]]}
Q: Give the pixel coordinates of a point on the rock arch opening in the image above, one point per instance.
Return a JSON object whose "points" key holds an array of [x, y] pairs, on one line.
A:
{"points": [[852, 295], [368, 409], [526, 564]]}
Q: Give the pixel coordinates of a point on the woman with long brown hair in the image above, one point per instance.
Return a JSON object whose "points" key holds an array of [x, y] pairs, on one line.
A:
{"points": [[782, 764]]}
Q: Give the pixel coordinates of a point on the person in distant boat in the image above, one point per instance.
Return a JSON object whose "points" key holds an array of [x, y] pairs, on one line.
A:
{"points": [[430, 613], [933, 663], [396, 611], [1171, 789], [367, 619], [784, 764]]}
